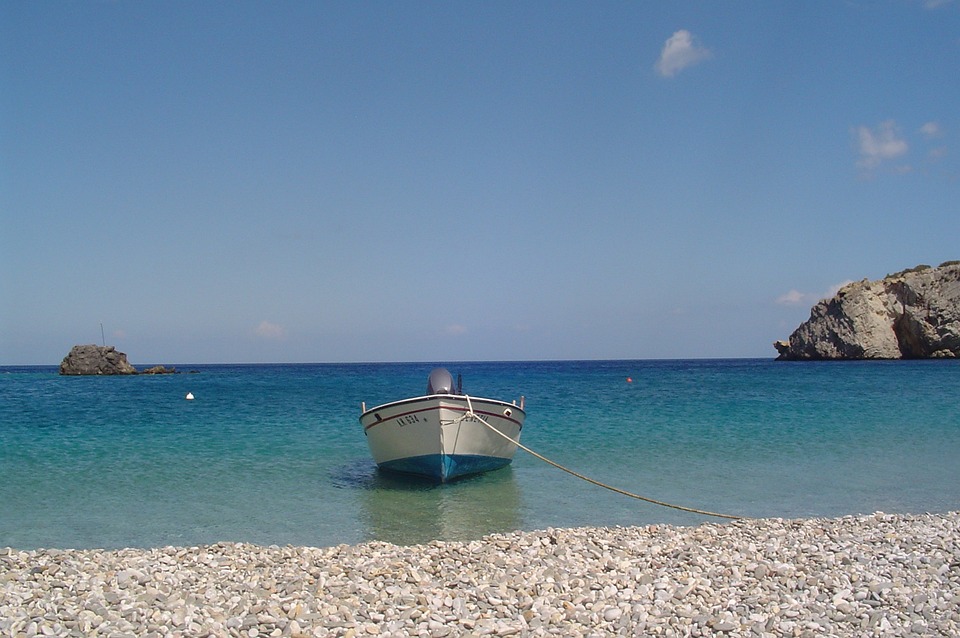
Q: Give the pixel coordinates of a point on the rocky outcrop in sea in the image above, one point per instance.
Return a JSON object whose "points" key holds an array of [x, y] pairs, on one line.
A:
{"points": [[159, 370], [912, 314], [93, 359]]}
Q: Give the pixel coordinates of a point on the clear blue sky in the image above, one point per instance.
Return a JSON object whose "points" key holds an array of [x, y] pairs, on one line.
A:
{"points": [[441, 181]]}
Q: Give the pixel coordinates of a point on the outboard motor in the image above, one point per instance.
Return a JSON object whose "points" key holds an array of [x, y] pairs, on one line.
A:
{"points": [[440, 382]]}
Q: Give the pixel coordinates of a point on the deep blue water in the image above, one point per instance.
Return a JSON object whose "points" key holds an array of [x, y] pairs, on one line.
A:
{"points": [[274, 454]]}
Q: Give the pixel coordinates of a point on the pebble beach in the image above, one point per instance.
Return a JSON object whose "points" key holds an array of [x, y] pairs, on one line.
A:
{"points": [[876, 575]]}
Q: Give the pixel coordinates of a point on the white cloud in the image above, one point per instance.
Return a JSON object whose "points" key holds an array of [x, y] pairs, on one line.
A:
{"points": [[792, 298], [877, 146], [931, 130], [455, 329], [269, 330], [679, 52], [797, 298], [934, 131]]}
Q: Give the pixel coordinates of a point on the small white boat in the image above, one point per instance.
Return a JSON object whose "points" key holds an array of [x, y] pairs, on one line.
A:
{"points": [[444, 434]]}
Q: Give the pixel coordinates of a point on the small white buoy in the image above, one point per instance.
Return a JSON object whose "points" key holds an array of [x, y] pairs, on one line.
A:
{"points": [[189, 396]]}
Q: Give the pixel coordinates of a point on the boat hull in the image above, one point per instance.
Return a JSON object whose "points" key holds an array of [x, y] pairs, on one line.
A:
{"points": [[436, 437]]}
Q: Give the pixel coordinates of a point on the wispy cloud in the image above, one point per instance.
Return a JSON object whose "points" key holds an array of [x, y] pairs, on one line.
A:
{"points": [[455, 329], [932, 130], [886, 145], [878, 145], [680, 51], [796, 298], [793, 298], [268, 330]]}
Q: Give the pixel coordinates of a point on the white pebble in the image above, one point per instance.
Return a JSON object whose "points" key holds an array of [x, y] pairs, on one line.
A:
{"points": [[869, 575]]}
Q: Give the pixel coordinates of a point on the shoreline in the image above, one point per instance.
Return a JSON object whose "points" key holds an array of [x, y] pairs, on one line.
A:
{"points": [[878, 574]]}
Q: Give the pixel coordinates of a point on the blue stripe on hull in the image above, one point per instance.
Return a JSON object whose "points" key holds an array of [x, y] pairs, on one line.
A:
{"points": [[445, 467]]}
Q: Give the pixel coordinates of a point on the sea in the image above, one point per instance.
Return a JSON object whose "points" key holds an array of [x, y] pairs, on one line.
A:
{"points": [[275, 454]]}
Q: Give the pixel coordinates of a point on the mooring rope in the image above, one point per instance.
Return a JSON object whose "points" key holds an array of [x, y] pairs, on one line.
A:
{"points": [[471, 413]]}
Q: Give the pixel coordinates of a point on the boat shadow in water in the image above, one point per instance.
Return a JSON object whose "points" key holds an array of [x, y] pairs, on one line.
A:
{"points": [[408, 510]]}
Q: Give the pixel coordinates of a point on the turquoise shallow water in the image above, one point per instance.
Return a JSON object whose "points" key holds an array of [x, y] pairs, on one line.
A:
{"points": [[275, 454]]}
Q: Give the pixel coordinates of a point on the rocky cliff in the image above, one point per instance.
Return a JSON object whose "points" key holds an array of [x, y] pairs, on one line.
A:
{"points": [[93, 359], [913, 314]]}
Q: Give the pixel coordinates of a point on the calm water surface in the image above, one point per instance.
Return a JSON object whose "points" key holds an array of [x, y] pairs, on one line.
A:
{"points": [[275, 454]]}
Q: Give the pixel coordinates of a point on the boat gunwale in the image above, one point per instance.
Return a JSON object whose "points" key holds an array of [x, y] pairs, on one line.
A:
{"points": [[462, 398]]}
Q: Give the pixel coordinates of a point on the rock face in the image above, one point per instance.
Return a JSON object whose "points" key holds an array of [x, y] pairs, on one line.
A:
{"points": [[93, 359], [913, 314], [159, 370]]}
